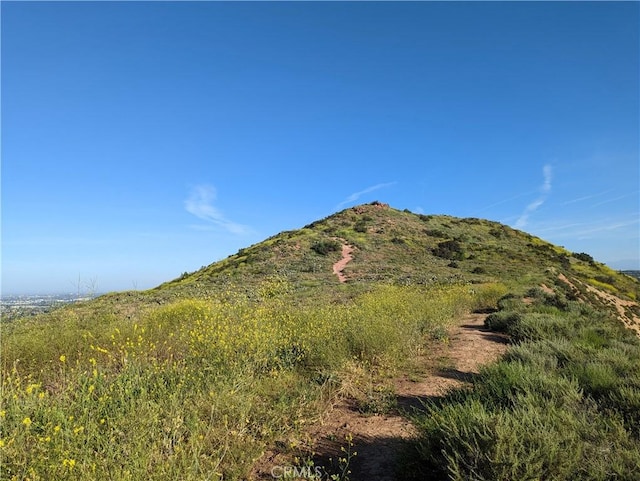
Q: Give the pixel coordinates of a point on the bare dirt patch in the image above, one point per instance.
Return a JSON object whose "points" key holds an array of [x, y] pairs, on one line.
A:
{"points": [[629, 318], [545, 288], [627, 311]]}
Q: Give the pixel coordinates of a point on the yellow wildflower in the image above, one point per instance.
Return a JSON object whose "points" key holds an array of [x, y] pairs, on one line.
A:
{"points": [[31, 387], [26, 421]]}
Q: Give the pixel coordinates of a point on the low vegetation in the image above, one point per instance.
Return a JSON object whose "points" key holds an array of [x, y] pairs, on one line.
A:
{"points": [[563, 404], [197, 378], [197, 388]]}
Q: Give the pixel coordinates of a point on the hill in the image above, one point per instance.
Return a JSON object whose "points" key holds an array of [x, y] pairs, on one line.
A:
{"points": [[392, 247], [389, 246], [200, 376]]}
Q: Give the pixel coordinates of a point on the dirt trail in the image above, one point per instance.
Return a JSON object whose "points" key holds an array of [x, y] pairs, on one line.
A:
{"points": [[338, 267], [378, 440]]}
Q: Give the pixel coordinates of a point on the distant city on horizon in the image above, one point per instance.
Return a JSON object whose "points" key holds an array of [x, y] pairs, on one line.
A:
{"points": [[45, 300]]}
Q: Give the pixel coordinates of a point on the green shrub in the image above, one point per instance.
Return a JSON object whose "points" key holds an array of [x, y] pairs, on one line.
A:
{"points": [[324, 247], [360, 226], [584, 257], [562, 404], [511, 302], [435, 233], [502, 320], [626, 401], [504, 383], [537, 326], [451, 249], [546, 431], [547, 354]]}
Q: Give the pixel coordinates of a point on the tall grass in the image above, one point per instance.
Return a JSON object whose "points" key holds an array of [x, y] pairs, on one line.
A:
{"points": [[196, 389], [562, 404]]}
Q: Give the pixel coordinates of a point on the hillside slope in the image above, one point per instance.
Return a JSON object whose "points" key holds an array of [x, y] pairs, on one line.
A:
{"points": [[401, 248], [391, 247], [201, 376]]}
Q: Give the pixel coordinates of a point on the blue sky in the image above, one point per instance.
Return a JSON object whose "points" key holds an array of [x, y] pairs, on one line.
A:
{"points": [[142, 140]]}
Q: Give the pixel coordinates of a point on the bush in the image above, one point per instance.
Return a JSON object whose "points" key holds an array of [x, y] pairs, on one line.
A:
{"points": [[450, 249], [537, 326], [547, 354], [324, 247], [511, 302], [360, 226], [470, 441], [502, 320], [584, 257], [488, 296], [435, 233], [563, 404]]}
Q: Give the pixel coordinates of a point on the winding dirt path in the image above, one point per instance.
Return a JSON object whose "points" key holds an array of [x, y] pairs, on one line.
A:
{"points": [[338, 267], [379, 439]]}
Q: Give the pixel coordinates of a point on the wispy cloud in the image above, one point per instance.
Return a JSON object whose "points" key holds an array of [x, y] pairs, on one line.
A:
{"points": [[504, 201], [201, 204], [356, 195], [616, 198], [582, 230], [586, 197], [533, 206]]}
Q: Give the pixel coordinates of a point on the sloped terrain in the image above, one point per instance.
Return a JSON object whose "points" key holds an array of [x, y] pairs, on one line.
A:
{"points": [[391, 246], [205, 375]]}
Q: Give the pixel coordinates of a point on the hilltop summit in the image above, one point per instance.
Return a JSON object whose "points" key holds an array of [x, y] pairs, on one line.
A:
{"points": [[400, 247]]}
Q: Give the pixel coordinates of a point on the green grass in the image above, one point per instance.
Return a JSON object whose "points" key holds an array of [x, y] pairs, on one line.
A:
{"points": [[198, 389], [194, 379], [562, 404]]}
